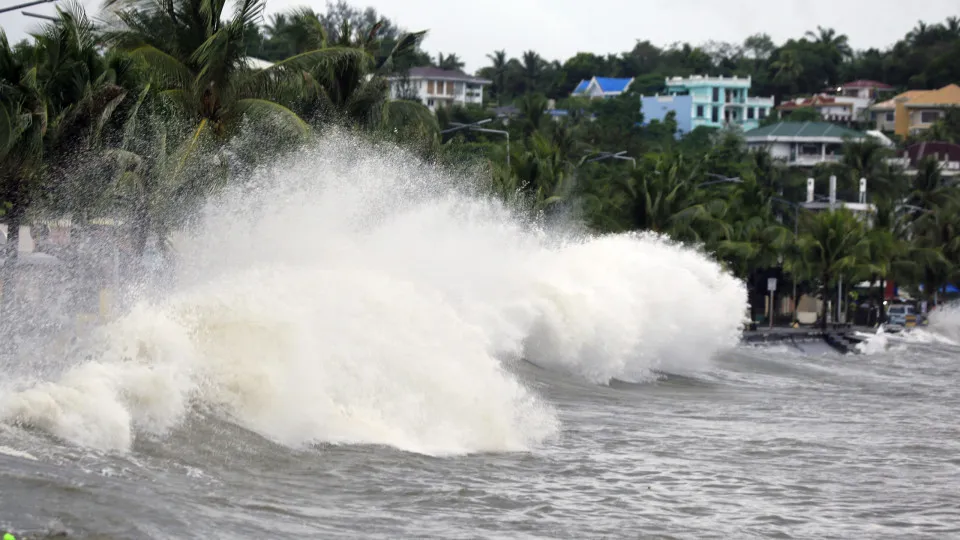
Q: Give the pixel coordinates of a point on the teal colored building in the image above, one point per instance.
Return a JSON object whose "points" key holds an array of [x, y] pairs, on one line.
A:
{"points": [[715, 101]]}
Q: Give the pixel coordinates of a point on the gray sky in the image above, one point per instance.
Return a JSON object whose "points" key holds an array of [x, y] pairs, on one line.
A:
{"points": [[558, 29]]}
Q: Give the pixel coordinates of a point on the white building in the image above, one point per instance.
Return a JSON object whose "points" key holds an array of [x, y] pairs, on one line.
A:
{"points": [[436, 87], [832, 108], [802, 144]]}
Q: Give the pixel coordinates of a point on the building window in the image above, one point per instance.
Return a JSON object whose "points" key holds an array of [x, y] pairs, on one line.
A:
{"points": [[750, 113], [761, 113], [929, 117], [889, 117], [716, 95], [699, 111], [429, 103], [715, 115]]}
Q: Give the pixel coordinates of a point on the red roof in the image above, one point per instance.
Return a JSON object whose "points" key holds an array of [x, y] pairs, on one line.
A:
{"points": [[865, 83], [814, 101], [943, 150]]}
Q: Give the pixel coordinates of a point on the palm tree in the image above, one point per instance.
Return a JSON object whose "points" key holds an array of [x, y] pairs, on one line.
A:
{"points": [[294, 32], [499, 60], [663, 197], [539, 175], [533, 66], [788, 69], [198, 63], [832, 245], [356, 92], [533, 107], [450, 62], [24, 121], [833, 43], [868, 159]]}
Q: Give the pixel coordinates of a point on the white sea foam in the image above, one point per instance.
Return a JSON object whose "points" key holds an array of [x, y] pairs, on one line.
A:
{"points": [[354, 296]]}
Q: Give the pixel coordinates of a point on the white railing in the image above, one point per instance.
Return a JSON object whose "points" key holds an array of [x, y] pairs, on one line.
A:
{"points": [[813, 159], [754, 100]]}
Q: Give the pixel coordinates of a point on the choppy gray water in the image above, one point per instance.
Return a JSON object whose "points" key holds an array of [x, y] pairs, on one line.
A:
{"points": [[765, 444]]}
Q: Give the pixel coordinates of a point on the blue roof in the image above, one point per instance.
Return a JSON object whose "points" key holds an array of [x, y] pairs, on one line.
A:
{"points": [[609, 84], [581, 87]]}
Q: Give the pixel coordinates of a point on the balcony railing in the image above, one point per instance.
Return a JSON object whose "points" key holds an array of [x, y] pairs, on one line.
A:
{"points": [[760, 101], [809, 160]]}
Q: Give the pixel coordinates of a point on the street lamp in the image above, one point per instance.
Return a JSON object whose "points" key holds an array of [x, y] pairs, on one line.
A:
{"points": [[26, 4], [609, 155], [722, 180], [796, 234], [38, 16], [473, 127]]}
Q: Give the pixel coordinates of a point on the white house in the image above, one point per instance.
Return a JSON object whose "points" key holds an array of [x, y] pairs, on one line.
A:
{"points": [[831, 108], [436, 87], [802, 144]]}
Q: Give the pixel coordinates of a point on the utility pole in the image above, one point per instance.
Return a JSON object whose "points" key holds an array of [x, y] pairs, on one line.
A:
{"points": [[474, 127]]}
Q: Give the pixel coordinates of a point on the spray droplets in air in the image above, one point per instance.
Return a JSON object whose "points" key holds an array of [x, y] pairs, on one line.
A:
{"points": [[353, 295]]}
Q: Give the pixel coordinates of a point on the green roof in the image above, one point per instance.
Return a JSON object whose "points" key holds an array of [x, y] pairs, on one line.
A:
{"points": [[804, 129]]}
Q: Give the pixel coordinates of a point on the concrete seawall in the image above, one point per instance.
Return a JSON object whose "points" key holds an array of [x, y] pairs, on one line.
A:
{"points": [[842, 340]]}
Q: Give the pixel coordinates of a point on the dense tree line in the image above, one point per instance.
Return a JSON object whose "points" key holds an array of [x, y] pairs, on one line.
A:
{"points": [[138, 117], [925, 58]]}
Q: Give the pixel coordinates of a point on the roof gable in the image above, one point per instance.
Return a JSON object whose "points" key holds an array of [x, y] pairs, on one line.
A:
{"points": [[813, 130], [429, 72], [581, 87], [948, 95], [611, 84]]}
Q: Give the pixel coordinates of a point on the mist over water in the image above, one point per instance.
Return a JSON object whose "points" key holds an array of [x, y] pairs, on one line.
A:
{"points": [[352, 295]]}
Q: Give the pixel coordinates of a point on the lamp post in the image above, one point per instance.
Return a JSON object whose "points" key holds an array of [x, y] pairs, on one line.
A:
{"points": [[796, 233], [38, 16], [609, 155], [474, 127]]}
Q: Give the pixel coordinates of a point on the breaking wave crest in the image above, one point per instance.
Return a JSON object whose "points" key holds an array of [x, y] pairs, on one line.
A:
{"points": [[352, 295]]}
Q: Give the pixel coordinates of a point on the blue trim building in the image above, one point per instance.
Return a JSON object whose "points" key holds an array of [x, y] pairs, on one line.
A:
{"points": [[713, 102]]}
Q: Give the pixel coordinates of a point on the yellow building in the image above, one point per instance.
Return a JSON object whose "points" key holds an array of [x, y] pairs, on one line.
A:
{"points": [[914, 110]]}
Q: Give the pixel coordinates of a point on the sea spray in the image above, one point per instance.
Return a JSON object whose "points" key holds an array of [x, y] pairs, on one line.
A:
{"points": [[353, 295]]}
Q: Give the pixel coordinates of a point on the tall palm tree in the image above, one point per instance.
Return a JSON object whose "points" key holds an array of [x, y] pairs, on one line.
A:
{"points": [[663, 197], [294, 32], [356, 91], [198, 62], [24, 119], [868, 159], [450, 62], [533, 66], [832, 245], [499, 61], [838, 44]]}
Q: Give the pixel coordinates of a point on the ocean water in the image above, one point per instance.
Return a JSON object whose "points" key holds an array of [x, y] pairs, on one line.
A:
{"points": [[360, 346]]}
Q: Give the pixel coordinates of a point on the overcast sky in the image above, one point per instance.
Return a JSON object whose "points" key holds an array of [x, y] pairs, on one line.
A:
{"points": [[558, 29]]}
